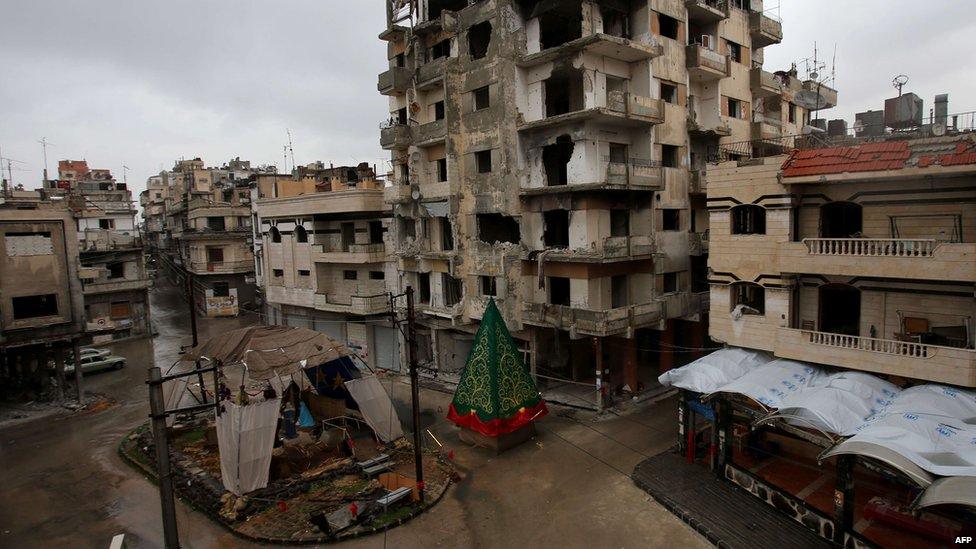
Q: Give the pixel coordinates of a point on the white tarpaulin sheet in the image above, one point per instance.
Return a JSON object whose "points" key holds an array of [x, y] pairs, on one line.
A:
{"points": [[837, 403], [245, 435], [770, 383], [937, 400], [710, 372], [376, 407]]}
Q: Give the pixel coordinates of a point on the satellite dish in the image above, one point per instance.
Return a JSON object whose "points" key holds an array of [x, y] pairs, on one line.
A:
{"points": [[415, 193], [810, 100], [814, 75]]}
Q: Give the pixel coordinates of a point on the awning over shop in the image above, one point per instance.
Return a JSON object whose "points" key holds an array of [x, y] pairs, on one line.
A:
{"points": [[949, 491], [714, 370], [884, 455], [771, 383]]}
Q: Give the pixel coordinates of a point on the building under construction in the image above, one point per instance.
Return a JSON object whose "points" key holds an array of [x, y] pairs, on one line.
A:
{"points": [[550, 155]]}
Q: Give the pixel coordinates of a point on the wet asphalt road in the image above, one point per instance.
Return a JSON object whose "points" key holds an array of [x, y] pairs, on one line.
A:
{"points": [[63, 484]]}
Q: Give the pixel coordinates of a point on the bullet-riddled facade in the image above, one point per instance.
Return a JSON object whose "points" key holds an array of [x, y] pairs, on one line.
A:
{"points": [[546, 155]]}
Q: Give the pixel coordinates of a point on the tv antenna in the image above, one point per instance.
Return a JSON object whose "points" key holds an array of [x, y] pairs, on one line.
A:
{"points": [[125, 180], [290, 149], [44, 144], [899, 81]]}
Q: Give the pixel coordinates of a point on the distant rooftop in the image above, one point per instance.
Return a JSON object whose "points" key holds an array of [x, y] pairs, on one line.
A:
{"points": [[883, 156]]}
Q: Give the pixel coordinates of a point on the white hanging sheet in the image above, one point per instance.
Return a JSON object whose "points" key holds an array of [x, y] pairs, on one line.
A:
{"points": [[376, 407], [245, 435]]}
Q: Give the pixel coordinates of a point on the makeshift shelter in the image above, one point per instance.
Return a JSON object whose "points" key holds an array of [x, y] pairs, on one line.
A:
{"points": [[496, 400]]}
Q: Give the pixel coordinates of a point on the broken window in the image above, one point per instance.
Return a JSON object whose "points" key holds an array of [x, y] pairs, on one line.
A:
{"points": [[750, 295], [375, 232], [423, 280], [735, 51], [618, 153], [441, 169], [494, 228], [439, 110], [215, 255], [615, 22], [555, 233], [482, 99], [669, 156], [748, 219], [483, 161], [400, 60], [479, 37], [215, 223], [228, 195], [348, 235], [734, 107], [791, 113], [377, 275], [619, 292], [669, 93], [401, 116], [34, 306], [440, 49], [275, 234], [488, 286], [668, 26], [301, 235], [435, 7], [557, 27], [563, 92], [619, 222], [452, 290], [350, 275], [221, 289], [558, 290], [447, 234], [116, 270], [669, 283], [106, 223], [555, 160], [277, 273], [670, 220], [304, 272]]}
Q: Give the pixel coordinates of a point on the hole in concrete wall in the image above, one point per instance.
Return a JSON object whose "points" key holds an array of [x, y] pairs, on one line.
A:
{"points": [[440, 49], [555, 159], [619, 292], [33, 306], [564, 92], [436, 7], [452, 289], [423, 280], [482, 98], [558, 290], [669, 156], [494, 228], [483, 161], [559, 26], [447, 234], [117, 269], [555, 233], [670, 220], [479, 37], [619, 222], [489, 287]]}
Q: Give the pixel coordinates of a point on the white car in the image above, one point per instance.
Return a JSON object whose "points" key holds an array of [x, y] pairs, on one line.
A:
{"points": [[91, 351], [95, 363]]}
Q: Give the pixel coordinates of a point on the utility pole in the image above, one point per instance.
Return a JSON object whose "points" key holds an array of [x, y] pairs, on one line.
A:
{"points": [[76, 349], [414, 390], [188, 277], [157, 408]]}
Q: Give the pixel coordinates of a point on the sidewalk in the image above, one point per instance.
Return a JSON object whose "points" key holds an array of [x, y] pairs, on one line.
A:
{"points": [[726, 515]]}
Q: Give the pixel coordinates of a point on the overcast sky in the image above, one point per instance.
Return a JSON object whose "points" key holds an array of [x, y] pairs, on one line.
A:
{"points": [[146, 82]]}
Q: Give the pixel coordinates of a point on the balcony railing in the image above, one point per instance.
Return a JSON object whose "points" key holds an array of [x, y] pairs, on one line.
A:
{"points": [[397, 194], [431, 132], [888, 346], [394, 136], [707, 11], [591, 322], [872, 247], [765, 30], [643, 174], [222, 266], [637, 106], [376, 248], [706, 64], [356, 304], [395, 80]]}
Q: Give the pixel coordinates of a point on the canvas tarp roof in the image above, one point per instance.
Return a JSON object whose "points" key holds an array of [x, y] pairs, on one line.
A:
{"points": [[270, 350]]}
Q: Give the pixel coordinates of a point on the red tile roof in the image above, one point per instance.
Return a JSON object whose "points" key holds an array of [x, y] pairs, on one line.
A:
{"points": [[882, 156]]}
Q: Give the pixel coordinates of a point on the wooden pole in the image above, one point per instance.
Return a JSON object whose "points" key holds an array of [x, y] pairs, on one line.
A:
{"points": [[171, 536], [414, 391], [79, 384]]}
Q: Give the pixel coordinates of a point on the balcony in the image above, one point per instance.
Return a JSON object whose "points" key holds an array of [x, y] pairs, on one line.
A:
{"points": [[396, 136], [698, 243], [394, 81], [322, 203], [685, 304], [935, 363], [920, 259], [114, 285], [398, 194], [610, 249], [221, 267], [587, 322], [764, 84], [764, 30], [606, 45], [767, 129], [353, 253], [430, 133], [697, 182], [621, 108], [644, 175], [706, 65], [707, 11], [356, 304], [431, 74], [828, 95]]}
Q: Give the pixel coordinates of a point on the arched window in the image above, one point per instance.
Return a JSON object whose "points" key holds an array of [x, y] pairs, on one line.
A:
{"points": [[301, 235], [751, 295], [748, 219], [275, 234]]}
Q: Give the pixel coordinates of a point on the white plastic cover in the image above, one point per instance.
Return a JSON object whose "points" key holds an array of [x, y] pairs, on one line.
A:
{"points": [[710, 372], [937, 400], [245, 436], [770, 383], [837, 403], [376, 407]]}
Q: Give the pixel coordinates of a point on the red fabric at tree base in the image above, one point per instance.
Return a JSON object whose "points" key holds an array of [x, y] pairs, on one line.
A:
{"points": [[497, 427]]}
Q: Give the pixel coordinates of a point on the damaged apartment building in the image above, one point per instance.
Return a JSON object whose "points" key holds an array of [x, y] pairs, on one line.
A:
{"points": [[549, 155], [113, 273], [199, 224], [322, 256]]}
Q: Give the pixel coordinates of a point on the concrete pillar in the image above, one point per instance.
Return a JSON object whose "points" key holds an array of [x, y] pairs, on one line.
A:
{"points": [[600, 387], [628, 351], [667, 347]]}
